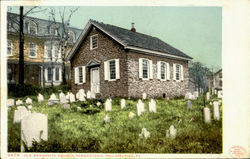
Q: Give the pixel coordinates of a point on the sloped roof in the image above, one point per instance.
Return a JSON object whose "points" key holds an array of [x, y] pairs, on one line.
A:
{"points": [[132, 40]]}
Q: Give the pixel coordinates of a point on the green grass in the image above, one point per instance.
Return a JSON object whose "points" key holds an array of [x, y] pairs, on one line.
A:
{"points": [[84, 131]]}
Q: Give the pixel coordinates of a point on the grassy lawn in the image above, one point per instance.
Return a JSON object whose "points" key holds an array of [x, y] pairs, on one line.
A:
{"points": [[84, 131]]}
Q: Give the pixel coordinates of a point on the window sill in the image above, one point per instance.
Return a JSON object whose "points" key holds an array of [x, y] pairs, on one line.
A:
{"points": [[110, 80], [145, 79], [93, 48], [33, 57], [9, 55]]}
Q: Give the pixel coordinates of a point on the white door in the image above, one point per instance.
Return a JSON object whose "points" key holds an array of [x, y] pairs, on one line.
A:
{"points": [[95, 80]]}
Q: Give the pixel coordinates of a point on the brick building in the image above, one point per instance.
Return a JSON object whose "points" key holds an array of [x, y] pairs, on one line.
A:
{"points": [[116, 62], [42, 56], [215, 81]]}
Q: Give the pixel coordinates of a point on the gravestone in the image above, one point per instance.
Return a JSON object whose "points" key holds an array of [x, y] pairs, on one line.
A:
{"points": [[77, 95], [81, 95], [108, 105], [10, 102], [67, 96], [66, 106], [40, 98], [62, 98], [216, 111], [220, 95], [140, 108], [106, 119], [20, 113], [207, 117], [144, 96], [53, 99], [79, 108], [215, 91], [19, 102], [98, 104], [28, 101], [144, 133], [152, 106], [188, 95], [34, 127], [189, 104], [92, 95], [196, 94], [30, 107], [167, 99], [88, 94], [131, 115], [72, 97], [123, 103], [171, 132], [220, 101], [208, 95]]}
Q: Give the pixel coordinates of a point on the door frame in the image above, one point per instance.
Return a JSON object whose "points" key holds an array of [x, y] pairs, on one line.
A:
{"points": [[91, 76]]}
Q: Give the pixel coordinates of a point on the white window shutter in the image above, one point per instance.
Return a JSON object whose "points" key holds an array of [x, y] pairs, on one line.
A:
{"points": [[54, 74], [182, 75], [140, 68], [60, 73], [76, 75], [83, 74], [151, 69], [158, 70], [174, 71], [117, 68], [168, 72], [46, 74], [106, 70]]}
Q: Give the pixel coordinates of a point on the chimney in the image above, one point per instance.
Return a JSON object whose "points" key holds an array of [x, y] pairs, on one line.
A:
{"points": [[133, 27]]}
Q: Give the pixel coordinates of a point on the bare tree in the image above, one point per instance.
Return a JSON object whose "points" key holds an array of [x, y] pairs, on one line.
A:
{"points": [[63, 34]]}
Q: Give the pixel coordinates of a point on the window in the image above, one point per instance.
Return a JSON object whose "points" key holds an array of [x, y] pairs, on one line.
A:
{"points": [[178, 72], [145, 69], [32, 28], [71, 38], [53, 30], [9, 48], [49, 74], [57, 74], [80, 75], [163, 70], [48, 50], [32, 50], [112, 70], [55, 49], [163, 73], [93, 42]]}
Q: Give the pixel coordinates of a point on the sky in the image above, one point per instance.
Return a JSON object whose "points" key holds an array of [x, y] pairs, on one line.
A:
{"points": [[196, 31]]}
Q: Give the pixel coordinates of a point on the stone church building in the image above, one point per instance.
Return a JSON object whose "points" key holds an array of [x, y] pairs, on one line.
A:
{"points": [[117, 62]]}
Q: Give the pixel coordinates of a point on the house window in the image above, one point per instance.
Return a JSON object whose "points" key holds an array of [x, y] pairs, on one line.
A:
{"points": [[32, 28], [50, 74], [55, 49], [177, 72], [145, 68], [80, 75], [112, 70], [48, 50], [163, 70], [9, 48], [93, 42], [53, 30], [57, 73], [71, 37], [32, 50], [112, 74]]}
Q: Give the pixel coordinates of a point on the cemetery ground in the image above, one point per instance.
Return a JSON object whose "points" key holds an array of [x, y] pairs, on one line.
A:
{"points": [[82, 131]]}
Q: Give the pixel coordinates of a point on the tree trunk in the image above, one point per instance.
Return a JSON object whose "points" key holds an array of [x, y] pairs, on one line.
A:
{"points": [[21, 44], [64, 73]]}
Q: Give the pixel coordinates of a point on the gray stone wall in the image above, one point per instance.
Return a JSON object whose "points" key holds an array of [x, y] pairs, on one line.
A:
{"points": [[154, 87], [129, 84], [107, 49]]}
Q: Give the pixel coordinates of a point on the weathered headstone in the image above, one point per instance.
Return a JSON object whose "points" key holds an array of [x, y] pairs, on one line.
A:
{"points": [[40, 98], [20, 113], [30, 107], [28, 101], [216, 111], [67, 96], [215, 91], [196, 94], [220, 95], [66, 106], [144, 133], [98, 104], [53, 99], [88, 94], [144, 96], [62, 98], [92, 94], [10, 102], [72, 97], [131, 115], [108, 105], [81, 95], [140, 108], [106, 119], [189, 104], [79, 108], [152, 106], [123, 103], [207, 116], [19, 102], [34, 128], [208, 96], [171, 132]]}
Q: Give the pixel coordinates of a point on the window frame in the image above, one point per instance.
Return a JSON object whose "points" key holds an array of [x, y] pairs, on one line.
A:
{"points": [[178, 72], [91, 41], [107, 68], [71, 34], [58, 74], [148, 68], [35, 50], [165, 71], [53, 27], [109, 71], [11, 48], [29, 26], [51, 70]]}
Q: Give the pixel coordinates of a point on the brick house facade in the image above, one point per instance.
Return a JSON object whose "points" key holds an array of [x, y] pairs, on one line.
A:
{"points": [[125, 72], [42, 64]]}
